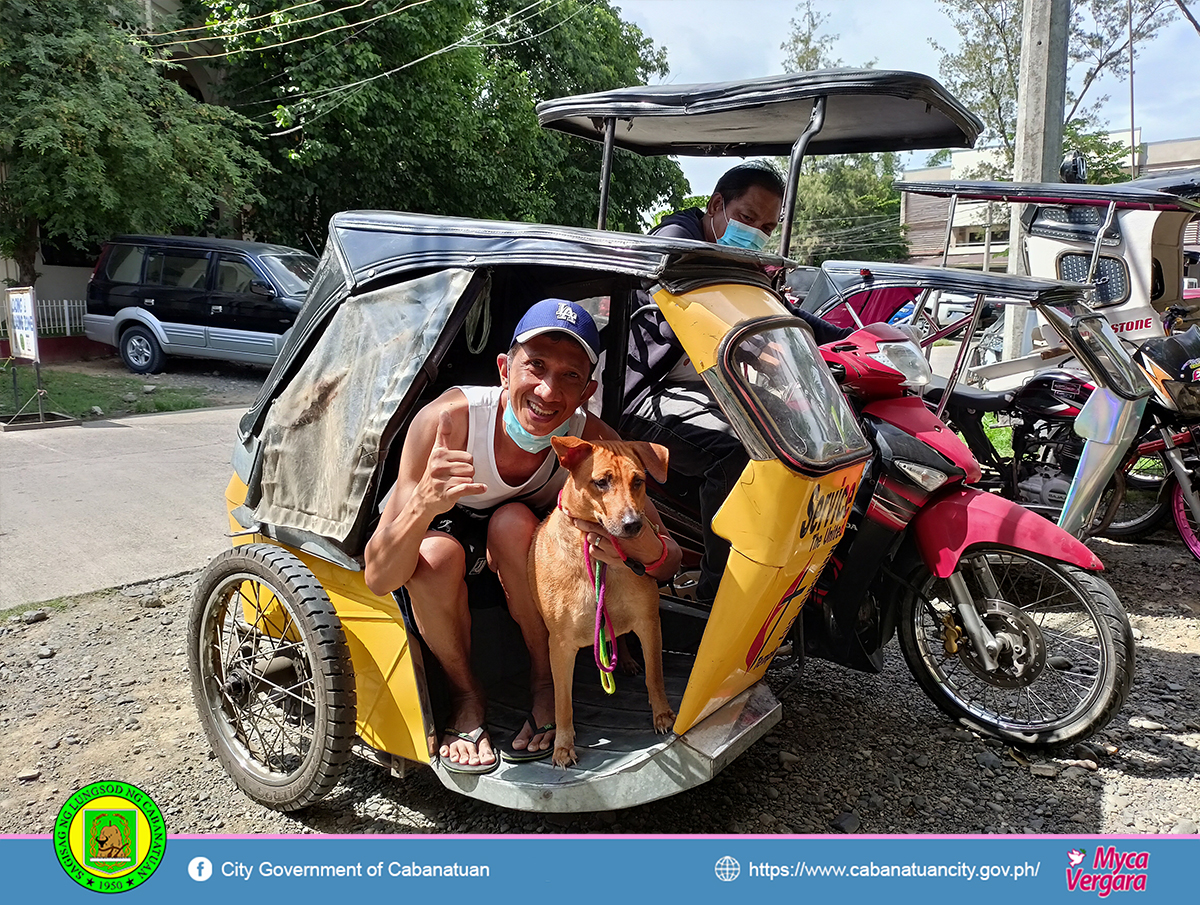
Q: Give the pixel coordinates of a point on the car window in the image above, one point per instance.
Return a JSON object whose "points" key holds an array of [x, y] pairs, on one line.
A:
{"points": [[165, 268], [234, 274], [292, 272], [124, 263]]}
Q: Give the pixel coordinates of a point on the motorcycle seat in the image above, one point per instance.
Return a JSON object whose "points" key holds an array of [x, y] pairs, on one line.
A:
{"points": [[968, 397]]}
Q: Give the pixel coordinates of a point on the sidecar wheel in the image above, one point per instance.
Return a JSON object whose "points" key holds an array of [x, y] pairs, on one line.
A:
{"points": [[1067, 656], [271, 676]]}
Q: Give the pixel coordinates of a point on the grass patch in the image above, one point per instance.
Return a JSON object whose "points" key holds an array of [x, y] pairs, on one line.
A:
{"points": [[72, 393], [1000, 435], [57, 604]]}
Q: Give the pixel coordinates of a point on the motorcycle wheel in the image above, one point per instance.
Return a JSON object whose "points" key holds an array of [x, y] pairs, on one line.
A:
{"points": [[1146, 504], [271, 676], [1189, 527], [1066, 661]]}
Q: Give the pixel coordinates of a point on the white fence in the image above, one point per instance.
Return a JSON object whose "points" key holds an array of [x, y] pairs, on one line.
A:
{"points": [[55, 317]]}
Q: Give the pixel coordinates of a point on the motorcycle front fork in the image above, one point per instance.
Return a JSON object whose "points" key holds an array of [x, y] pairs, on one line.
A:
{"points": [[1174, 455], [986, 645]]}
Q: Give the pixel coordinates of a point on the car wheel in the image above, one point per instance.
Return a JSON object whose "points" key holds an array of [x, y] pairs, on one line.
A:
{"points": [[140, 351]]}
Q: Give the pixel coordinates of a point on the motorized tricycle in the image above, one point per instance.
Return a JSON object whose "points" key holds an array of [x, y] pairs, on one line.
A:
{"points": [[296, 664], [1126, 240]]}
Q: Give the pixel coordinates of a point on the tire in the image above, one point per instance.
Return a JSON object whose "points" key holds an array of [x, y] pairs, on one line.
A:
{"points": [[1074, 672], [1146, 505], [271, 676], [140, 350], [1189, 527]]}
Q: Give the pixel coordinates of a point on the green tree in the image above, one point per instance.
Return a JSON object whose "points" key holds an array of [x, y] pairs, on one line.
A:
{"points": [[95, 141], [430, 108], [846, 205], [984, 69]]}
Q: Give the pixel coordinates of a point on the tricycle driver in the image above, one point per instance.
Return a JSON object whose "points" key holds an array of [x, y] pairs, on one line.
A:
{"points": [[477, 474]]}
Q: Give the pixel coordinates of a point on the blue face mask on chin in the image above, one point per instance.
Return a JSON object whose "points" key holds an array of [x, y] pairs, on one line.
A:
{"points": [[530, 442], [738, 235]]}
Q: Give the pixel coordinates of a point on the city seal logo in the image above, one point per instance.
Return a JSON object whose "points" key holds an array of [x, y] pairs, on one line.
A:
{"points": [[110, 837]]}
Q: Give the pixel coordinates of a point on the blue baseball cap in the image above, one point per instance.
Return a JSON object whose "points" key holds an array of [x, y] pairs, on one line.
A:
{"points": [[560, 316]]}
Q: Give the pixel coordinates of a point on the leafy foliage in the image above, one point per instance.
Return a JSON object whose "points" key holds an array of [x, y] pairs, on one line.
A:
{"points": [[95, 141], [846, 206], [429, 107], [983, 72]]}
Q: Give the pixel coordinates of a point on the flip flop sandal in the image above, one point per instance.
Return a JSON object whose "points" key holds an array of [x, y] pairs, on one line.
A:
{"points": [[522, 755], [474, 738]]}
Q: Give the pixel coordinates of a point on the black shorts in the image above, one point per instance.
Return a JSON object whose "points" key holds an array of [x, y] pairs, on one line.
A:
{"points": [[470, 528]]}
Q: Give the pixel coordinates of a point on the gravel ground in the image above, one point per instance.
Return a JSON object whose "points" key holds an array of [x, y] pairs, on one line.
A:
{"points": [[98, 688]]}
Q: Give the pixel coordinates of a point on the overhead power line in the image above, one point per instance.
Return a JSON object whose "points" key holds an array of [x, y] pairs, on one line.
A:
{"points": [[320, 34], [350, 88], [276, 12]]}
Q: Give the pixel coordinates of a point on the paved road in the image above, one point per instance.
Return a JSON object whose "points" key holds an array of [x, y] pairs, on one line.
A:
{"points": [[112, 502]]}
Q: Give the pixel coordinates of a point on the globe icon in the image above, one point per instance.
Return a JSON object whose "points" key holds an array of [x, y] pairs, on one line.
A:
{"points": [[728, 868]]}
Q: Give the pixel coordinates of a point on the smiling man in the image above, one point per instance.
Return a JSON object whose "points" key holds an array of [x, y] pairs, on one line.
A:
{"points": [[477, 473]]}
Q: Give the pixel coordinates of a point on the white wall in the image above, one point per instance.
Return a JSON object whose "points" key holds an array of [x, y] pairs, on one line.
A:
{"points": [[54, 282]]}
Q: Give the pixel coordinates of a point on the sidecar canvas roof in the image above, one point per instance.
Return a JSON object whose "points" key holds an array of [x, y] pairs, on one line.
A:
{"points": [[866, 110], [1179, 191], [375, 247], [839, 280]]}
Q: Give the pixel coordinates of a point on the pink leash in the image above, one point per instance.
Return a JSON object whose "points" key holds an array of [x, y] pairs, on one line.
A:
{"points": [[604, 644]]}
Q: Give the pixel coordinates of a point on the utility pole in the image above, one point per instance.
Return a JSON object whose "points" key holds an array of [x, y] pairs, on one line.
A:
{"points": [[1041, 105]]}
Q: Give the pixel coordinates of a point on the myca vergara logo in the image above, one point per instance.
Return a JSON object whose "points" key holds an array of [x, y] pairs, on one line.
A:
{"points": [[110, 836], [1110, 871]]}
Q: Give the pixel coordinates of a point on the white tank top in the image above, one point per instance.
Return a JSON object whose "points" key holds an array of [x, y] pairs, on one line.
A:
{"points": [[541, 490]]}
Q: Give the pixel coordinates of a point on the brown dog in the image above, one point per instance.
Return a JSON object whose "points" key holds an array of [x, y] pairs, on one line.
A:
{"points": [[607, 485]]}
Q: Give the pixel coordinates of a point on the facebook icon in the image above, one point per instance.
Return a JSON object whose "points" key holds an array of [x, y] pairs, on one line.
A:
{"points": [[200, 869]]}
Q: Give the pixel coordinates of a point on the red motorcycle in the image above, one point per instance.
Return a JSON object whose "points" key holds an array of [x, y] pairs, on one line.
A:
{"points": [[1003, 618]]}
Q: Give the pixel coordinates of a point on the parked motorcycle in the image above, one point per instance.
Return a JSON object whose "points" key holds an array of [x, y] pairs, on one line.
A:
{"points": [[1051, 468], [1166, 461], [1003, 618], [1126, 240]]}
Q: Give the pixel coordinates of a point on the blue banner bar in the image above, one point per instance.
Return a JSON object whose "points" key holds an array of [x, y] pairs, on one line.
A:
{"points": [[525, 869]]}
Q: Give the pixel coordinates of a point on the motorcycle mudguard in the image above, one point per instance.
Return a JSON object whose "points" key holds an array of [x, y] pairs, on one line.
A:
{"points": [[944, 529]]}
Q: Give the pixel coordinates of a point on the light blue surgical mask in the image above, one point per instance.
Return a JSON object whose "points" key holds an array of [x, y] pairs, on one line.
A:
{"points": [[738, 235], [527, 441]]}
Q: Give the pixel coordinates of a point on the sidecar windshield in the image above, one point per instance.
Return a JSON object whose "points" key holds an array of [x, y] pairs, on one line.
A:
{"points": [[1092, 339], [778, 378]]}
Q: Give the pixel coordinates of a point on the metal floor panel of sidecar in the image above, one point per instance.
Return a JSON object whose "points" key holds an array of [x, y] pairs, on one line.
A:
{"points": [[622, 760]]}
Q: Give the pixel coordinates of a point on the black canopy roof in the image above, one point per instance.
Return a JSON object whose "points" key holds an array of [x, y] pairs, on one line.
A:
{"points": [[1178, 190], [367, 249], [867, 110], [375, 244], [840, 278]]}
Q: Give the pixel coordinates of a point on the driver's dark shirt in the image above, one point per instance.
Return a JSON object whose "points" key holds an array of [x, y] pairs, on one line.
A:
{"points": [[654, 350]]}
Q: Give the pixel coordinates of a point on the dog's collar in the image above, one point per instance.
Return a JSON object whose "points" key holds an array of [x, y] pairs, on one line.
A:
{"points": [[637, 568]]}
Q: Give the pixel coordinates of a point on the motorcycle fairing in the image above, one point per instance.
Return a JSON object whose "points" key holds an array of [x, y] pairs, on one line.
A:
{"points": [[964, 516], [912, 416]]}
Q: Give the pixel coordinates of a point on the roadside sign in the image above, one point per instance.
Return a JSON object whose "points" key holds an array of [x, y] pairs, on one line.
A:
{"points": [[22, 323]]}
